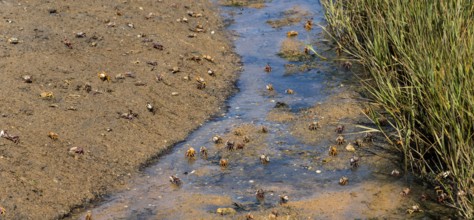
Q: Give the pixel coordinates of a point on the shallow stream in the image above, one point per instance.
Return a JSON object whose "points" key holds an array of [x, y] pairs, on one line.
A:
{"points": [[294, 169]]}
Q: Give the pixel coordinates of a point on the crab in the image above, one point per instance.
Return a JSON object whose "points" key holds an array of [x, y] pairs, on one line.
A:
{"points": [[249, 216], [104, 76], [308, 25], [175, 180], [343, 181], [413, 209], [47, 95], [291, 33], [211, 72], [340, 140], [268, 68], [264, 129], [190, 153], [217, 140], [269, 87], [14, 138], [73, 151], [313, 126], [369, 137], [284, 199], [3, 211], [27, 79], [203, 151], [53, 135], [230, 145], [441, 196], [246, 139], [150, 108], [395, 172], [201, 84], [347, 65], [89, 215], [339, 129], [130, 115], [240, 146], [359, 142], [264, 159], [354, 161], [223, 163], [289, 91], [405, 191], [332, 151], [260, 194]]}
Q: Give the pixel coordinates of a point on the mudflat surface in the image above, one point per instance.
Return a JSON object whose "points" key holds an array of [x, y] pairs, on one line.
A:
{"points": [[153, 51]]}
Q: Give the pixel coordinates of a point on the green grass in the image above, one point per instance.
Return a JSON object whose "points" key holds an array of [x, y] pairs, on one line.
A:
{"points": [[420, 58]]}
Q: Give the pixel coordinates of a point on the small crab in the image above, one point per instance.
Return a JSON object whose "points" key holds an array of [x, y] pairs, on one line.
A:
{"points": [[340, 140], [104, 76], [230, 145], [405, 191], [289, 91], [46, 95], [14, 138], [217, 140], [175, 180], [291, 33], [249, 216], [246, 139], [313, 126], [223, 163], [308, 25], [201, 84], [3, 211], [53, 135], [339, 129], [269, 87], [354, 161], [27, 79], [203, 151], [359, 142], [395, 172], [263, 129], [190, 153], [130, 115], [268, 68], [89, 215], [260, 194], [343, 181], [284, 199], [73, 151], [347, 65], [211, 72], [150, 108], [240, 146], [264, 159], [369, 137], [332, 151], [413, 209]]}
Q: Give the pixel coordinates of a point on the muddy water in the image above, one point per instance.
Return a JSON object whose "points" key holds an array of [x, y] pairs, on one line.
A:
{"points": [[294, 168]]}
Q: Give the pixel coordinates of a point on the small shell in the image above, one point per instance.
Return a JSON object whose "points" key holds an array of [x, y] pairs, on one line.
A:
{"points": [[350, 147], [264, 159], [269, 87]]}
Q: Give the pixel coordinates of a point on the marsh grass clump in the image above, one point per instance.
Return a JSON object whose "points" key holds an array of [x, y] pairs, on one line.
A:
{"points": [[419, 55]]}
